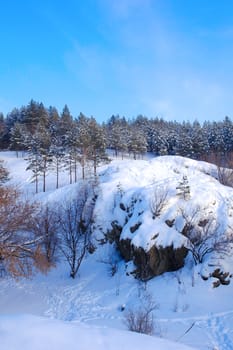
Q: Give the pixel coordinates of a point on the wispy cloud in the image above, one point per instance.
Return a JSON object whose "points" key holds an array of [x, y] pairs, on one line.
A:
{"points": [[87, 64], [124, 9], [219, 33]]}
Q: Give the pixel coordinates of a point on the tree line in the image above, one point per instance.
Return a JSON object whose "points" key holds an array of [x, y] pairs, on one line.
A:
{"points": [[59, 140]]}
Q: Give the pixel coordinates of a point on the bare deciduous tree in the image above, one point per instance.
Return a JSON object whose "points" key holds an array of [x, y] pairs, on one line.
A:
{"points": [[203, 235], [75, 219], [225, 176], [19, 246], [45, 224], [224, 164], [204, 240]]}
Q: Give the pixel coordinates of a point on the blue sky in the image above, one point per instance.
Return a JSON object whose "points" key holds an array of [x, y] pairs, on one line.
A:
{"points": [[166, 58]]}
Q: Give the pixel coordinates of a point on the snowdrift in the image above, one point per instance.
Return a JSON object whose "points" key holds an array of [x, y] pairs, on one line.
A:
{"points": [[30, 332]]}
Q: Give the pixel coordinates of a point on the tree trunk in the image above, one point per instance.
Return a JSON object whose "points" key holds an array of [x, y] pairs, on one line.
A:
{"points": [[83, 167], [95, 164], [44, 176], [75, 170], [57, 173], [70, 165], [36, 180]]}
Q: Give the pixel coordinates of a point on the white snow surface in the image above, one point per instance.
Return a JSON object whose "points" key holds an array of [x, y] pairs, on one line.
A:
{"points": [[30, 332], [53, 311]]}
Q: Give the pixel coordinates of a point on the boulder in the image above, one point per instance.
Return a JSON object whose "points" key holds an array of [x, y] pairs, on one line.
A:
{"points": [[222, 277]]}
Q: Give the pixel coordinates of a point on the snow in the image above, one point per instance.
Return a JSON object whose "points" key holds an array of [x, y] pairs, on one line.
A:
{"points": [[44, 334], [53, 311]]}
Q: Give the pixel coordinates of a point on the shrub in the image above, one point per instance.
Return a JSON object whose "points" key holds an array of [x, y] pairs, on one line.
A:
{"points": [[158, 201], [141, 320]]}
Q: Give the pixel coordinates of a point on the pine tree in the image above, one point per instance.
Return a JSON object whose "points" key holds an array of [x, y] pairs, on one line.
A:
{"points": [[227, 135], [3, 132], [84, 137], [73, 150], [57, 153], [39, 157], [18, 136], [34, 114], [4, 173], [199, 141], [137, 144], [117, 135], [98, 144], [57, 149], [66, 122]]}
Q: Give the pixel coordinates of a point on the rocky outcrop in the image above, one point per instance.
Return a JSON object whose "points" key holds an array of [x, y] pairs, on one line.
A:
{"points": [[153, 262], [157, 259], [221, 278], [125, 249]]}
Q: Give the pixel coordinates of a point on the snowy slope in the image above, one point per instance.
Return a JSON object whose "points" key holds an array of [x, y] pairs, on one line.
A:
{"points": [[89, 308]]}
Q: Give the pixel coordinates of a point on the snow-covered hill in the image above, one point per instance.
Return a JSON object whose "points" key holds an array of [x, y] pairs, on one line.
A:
{"points": [[147, 199], [92, 307]]}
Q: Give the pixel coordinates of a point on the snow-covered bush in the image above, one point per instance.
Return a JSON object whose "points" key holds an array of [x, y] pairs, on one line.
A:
{"points": [[183, 189]]}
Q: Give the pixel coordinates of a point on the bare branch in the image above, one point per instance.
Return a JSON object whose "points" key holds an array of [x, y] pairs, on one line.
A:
{"points": [[75, 219], [158, 201], [18, 244], [203, 235]]}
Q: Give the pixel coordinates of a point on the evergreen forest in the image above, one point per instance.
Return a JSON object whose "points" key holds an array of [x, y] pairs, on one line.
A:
{"points": [[57, 140]]}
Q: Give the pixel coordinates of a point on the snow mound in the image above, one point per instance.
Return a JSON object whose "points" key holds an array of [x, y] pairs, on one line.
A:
{"points": [[30, 332]]}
